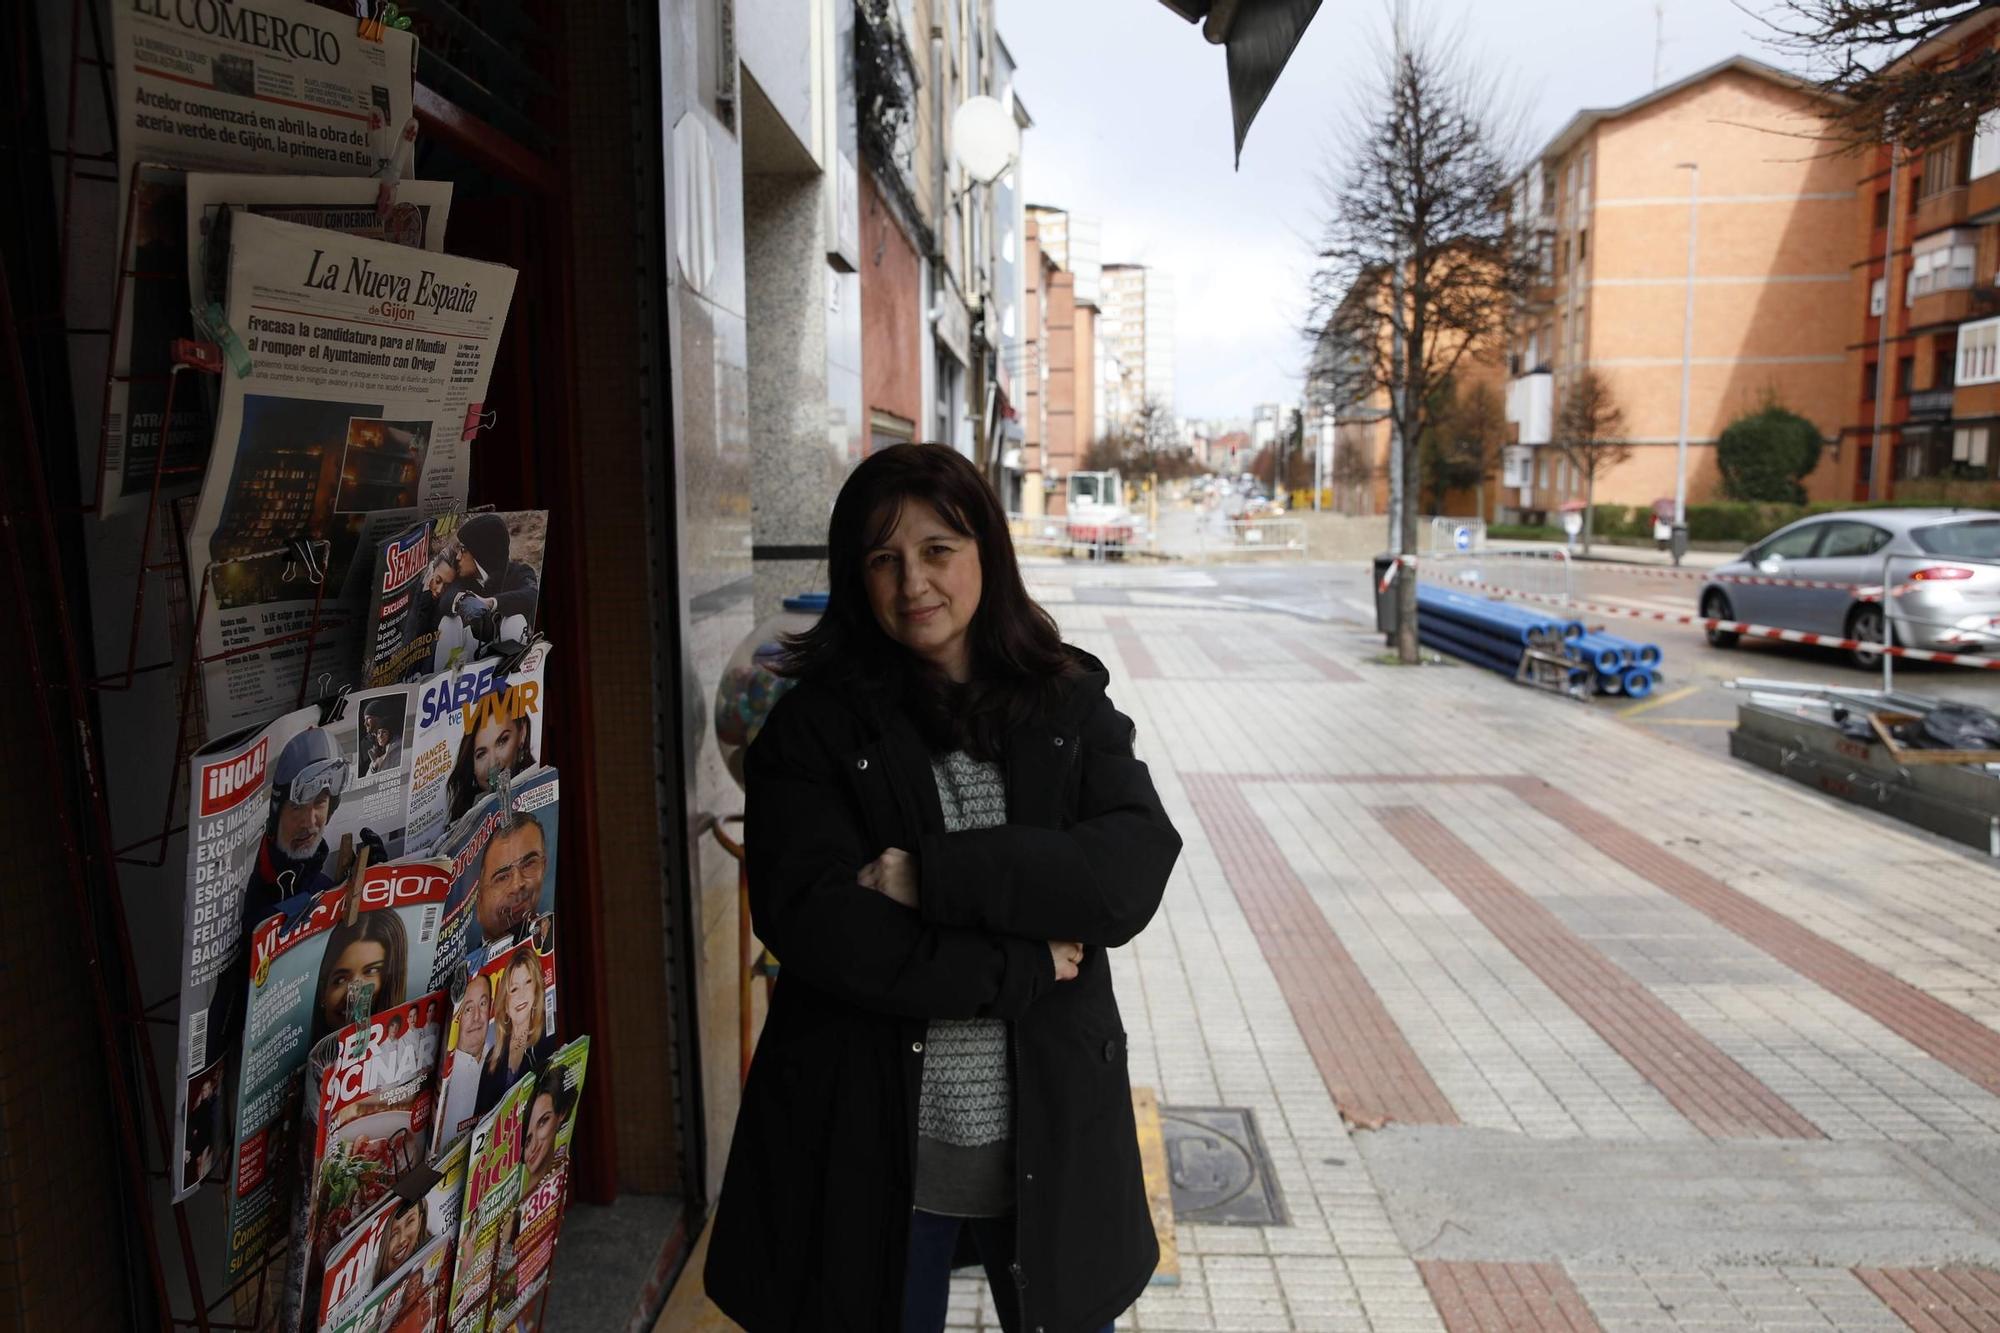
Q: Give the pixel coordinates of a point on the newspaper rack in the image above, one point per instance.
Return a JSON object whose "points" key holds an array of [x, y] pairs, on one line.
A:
{"points": [[169, 1258]]}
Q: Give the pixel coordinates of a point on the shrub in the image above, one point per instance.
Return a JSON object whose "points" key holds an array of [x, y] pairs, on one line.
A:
{"points": [[1615, 521], [1763, 456]]}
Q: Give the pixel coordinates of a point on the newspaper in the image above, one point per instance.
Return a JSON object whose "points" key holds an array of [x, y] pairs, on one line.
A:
{"points": [[492, 1192], [281, 86], [397, 1256], [253, 847], [551, 1124], [300, 972], [503, 865], [473, 722], [367, 358], [375, 1105], [344, 204], [452, 589], [514, 990]]}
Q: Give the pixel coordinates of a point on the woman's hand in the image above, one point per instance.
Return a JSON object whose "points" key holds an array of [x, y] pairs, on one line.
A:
{"points": [[893, 874], [1069, 957]]}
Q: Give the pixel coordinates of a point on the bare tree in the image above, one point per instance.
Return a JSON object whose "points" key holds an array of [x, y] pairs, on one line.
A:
{"points": [[1422, 193], [1590, 429], [1353, 474], [1462, 450], [1854, 48]]}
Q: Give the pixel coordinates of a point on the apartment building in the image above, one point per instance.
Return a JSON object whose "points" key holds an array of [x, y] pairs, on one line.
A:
{"points": [[1729, 152], [1924, 367], [1138, 329]]}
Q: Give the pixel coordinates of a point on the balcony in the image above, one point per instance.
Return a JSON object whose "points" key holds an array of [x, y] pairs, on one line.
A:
{"points": [[1931, 404], [1531, 406]]}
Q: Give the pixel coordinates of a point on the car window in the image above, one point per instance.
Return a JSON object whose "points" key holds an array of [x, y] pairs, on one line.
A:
{"points": [[1977, 540], [1796, 544], [1851, 539]]}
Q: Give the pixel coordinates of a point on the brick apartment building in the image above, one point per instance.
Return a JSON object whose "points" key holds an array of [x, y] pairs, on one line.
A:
{"points": [[1927, 386], [1609, 200]]}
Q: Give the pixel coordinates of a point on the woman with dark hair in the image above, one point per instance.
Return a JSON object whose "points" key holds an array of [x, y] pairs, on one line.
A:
{"points": [[375, 950], [946, 830], [492, 742]]}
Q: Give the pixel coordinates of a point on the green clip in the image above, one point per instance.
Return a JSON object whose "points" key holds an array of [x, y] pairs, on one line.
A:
{"points": [[393, 17], [216, 329]]}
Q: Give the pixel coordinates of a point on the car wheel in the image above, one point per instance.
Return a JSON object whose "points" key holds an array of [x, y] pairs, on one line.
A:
{"points": [[1715, 606], [1865, 624]]}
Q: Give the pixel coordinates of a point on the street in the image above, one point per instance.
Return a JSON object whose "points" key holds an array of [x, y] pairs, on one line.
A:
{"points": [[1542, 1022]]}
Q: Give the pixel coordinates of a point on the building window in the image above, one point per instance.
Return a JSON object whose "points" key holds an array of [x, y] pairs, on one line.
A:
{"points": [[1869, 374], [1979, 352], [1969, 446], [1943, 262], [1944, 169], [1986, 145], [1878, 296], [1906, 374], [1881, 209]]}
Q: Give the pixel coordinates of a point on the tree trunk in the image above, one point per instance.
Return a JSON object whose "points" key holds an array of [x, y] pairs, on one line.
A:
{"points": [[1589, 509], [1406, 577]]}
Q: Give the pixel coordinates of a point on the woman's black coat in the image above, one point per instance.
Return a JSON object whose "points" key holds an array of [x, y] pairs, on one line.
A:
{"points": [[812, 1224]]}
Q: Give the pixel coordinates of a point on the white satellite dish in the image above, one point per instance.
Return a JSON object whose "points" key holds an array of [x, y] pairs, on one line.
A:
{"points": [[984, 138]]}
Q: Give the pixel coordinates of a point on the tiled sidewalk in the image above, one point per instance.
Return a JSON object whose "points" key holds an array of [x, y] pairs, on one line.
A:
{"points": [[1460, 905]]}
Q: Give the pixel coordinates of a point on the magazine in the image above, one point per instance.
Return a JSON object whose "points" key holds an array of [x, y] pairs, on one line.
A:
{"points": [[503, 865], [412, 1302], [492, 1192], [408, 1234], [346, 204], [287, 87], [301, 971], [276, 816], [375, 1105], [368, 360], [474, 722], [452, 589], [545, 1154], [514, 990]]}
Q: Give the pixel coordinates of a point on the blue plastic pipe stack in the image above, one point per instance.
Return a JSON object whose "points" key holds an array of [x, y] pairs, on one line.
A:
{"points": [[1494, 634]]}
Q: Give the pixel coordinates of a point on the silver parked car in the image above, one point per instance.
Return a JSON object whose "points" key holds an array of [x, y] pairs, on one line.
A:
{"points": [[1943, 565]]}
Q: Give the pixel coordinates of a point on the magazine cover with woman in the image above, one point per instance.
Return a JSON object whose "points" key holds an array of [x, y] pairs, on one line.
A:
{"points": [[302, 970], [502, 1028], [474, 722]]}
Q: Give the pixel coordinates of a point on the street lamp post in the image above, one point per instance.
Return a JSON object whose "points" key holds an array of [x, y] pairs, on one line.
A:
{"points": [[1687, 365]]}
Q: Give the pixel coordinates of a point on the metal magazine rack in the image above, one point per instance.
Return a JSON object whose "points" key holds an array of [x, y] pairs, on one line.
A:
{"points": [[39, 516]]}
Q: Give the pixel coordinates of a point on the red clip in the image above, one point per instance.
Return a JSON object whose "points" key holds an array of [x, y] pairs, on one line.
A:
{"points": [[371, 30], [476, 420], [198, 355]]}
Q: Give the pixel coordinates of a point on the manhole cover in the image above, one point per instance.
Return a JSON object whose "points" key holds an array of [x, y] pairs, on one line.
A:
{"points": [[1217, 1167]]}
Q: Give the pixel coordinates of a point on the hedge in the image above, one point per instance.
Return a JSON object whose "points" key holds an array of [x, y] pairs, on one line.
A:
{"points": [[1748, 521]]}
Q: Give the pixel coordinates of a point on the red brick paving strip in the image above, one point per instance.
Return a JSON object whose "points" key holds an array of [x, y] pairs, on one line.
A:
{"points": [[1215, 645], [1506, 1298], [1954, 1038], [1719, 1096], [1938, 1300], [1364, 1059], [1132, 649], [1327, 668], [1950, 1036]]}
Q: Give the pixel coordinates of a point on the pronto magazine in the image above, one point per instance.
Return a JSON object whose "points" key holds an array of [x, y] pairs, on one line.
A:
{"points": [[526, 1256], [453, 589], [368, 362]]}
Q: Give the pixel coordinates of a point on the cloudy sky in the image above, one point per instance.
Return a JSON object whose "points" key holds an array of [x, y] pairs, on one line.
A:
{"points": [[1132, 125]]}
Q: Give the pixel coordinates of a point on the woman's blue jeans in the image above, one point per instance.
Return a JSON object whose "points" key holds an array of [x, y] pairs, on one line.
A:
{"points": [[927, 1284]]}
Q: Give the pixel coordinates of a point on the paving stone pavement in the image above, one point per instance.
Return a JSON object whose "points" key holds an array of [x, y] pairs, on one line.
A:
{"points": [[1582, 937]]}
